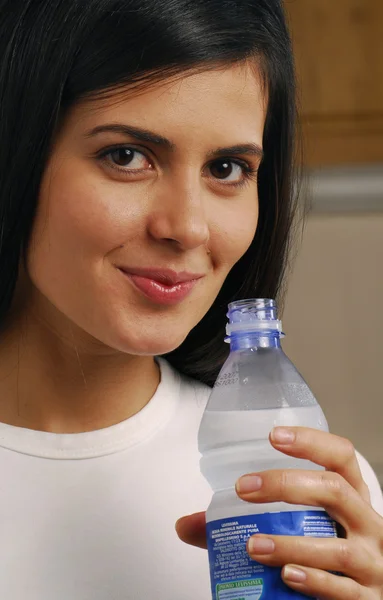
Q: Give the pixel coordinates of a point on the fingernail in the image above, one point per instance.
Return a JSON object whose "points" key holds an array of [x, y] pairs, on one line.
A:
{"points": [[293, 574], [248, 483], [261, 545], [281, 435]]}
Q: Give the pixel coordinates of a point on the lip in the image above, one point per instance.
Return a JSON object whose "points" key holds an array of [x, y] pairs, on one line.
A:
{"points": [[162, 286]]}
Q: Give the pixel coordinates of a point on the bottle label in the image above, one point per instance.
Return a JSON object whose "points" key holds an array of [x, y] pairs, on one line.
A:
{"points": [[234, 575]]}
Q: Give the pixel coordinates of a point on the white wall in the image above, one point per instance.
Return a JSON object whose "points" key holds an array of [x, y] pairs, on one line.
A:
{"points": [[334, 324]]}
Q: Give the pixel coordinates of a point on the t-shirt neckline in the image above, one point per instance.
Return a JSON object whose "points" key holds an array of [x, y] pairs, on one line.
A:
{"points": [[91, 444]]}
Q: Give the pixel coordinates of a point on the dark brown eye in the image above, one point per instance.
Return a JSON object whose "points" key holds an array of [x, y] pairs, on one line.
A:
{"points": [[221, 169], [230, 171], [126, 159], [122, 156]]}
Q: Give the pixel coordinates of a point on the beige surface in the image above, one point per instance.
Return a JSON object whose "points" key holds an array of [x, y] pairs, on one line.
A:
{"points": [[334, 322]]}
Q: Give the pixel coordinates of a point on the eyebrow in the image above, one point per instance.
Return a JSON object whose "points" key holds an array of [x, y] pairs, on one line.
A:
{"points": [[250, 148], [145, 135]]}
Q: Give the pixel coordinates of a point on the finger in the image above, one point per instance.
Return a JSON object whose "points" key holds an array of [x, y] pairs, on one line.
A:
{"points": [[312, 488], [323, 585], [345, 556], [333, 452], [192, 530]]}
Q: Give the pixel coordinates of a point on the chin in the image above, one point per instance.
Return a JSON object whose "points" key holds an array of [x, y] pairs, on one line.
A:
{"points": [[151, 345]]}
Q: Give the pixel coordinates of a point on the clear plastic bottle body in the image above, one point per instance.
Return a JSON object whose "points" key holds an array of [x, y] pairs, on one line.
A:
{"points": [[257, 389]]}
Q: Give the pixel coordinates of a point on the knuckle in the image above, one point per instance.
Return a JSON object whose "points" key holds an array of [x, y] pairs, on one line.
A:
{"points": [[284, 483], [348, 451], [337, 486], [365, 492], [346, 557]]}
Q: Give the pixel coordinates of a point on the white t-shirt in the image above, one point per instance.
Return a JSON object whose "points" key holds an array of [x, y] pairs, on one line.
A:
{"points": [[90, 516]]}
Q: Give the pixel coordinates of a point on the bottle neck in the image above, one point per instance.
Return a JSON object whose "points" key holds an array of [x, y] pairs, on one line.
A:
{"points": [[256, 339]]}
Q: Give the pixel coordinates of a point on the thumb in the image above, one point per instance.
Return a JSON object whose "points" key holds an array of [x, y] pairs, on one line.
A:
{"points": [[192, 529]]}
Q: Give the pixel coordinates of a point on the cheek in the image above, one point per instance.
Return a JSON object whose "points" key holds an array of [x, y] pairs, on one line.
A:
{"points": [[79, 220], [235, 231]]}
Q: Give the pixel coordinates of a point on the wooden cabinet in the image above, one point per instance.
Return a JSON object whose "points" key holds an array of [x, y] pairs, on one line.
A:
{"points": [[338, 47]]}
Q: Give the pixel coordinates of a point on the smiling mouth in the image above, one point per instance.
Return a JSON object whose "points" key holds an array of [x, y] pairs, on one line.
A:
{"points": [[163, 286]]}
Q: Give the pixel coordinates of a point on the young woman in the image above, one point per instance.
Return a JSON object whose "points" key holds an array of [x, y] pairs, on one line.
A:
{"points": [[146, 181]]}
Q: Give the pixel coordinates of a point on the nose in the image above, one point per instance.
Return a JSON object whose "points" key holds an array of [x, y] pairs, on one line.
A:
{"points": [[179, 215]]}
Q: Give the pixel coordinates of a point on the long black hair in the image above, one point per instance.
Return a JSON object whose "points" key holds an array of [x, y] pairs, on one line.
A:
{"points": [[55, 52]]}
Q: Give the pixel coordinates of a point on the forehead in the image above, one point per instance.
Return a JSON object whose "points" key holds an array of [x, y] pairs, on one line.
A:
{"points": [[232, 98]]}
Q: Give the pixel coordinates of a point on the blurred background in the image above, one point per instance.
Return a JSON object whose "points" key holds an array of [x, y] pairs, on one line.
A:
{"points": [[333, 312]]}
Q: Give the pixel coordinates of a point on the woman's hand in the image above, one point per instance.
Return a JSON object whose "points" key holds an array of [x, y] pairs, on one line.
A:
{"points": [[341, 491]]}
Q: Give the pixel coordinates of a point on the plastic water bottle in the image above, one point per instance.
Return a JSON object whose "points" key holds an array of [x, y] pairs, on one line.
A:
{"points": [[257, 389]]}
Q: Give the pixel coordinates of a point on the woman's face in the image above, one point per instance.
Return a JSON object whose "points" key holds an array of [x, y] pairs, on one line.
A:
{"points": [[147, 202]]}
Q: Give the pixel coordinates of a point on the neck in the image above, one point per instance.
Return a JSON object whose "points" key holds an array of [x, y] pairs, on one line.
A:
{"points": [[67, 384]]}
